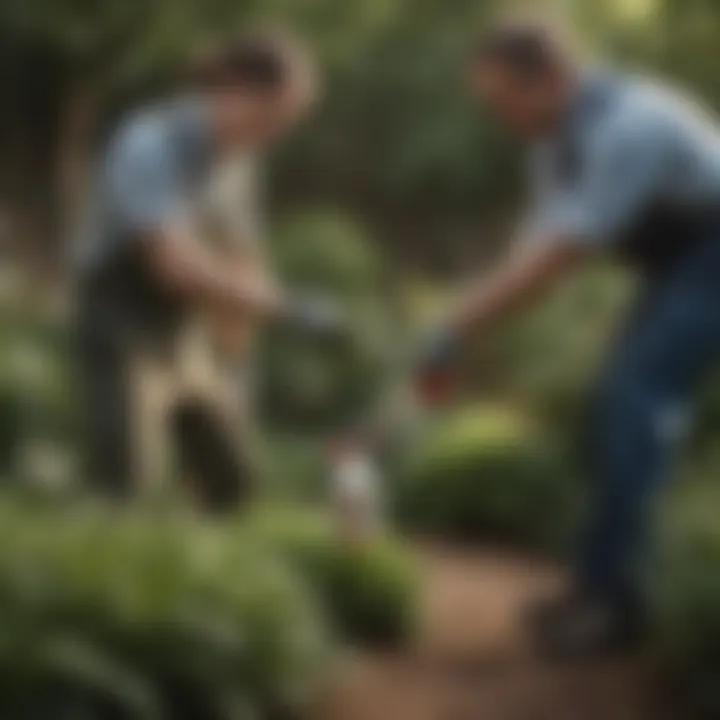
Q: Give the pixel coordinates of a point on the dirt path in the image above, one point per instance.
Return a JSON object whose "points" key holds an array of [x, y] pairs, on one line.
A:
{"points": [[471, 663]]}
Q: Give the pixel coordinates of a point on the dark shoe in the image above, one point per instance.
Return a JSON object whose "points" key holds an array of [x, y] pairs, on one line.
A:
{"points": [[588, 630]]}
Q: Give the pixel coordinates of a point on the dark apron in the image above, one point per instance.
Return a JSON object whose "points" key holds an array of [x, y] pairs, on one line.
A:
{"points": [[121, 305], [122, 311]]}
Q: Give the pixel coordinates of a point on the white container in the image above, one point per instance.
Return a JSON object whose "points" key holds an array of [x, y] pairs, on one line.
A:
{"points": [[355, 496]]}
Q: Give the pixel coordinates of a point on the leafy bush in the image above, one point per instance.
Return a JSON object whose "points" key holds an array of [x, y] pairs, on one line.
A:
{"points": [[548, 357], [369, 592], [307, 383], [296, 468], [688, 598], [151, 618], [484, 474], [706, 422], [324, 249], [37, 397], [143, 617]]}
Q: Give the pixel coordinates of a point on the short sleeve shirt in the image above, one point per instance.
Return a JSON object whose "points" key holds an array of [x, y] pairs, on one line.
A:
{"points": [[148, 177], [639, 143]]}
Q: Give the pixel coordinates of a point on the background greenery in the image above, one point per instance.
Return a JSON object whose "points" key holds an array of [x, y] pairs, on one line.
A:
{"points": [[147, 616], [395, 186]]}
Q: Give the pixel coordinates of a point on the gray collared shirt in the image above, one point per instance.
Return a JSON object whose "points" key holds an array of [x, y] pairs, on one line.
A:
{"points": [[639, 143]]}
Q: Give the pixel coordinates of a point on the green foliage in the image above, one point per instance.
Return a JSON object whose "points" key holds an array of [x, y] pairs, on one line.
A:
{"points": [[396, 137], [399, 140], [143, 616], [324, 249], [369, 592], [37, 396], [296, 468], [309, 383], [485, 474], [706, 421], [547, 358], [688, 597], [150, 617], [126, 42]]}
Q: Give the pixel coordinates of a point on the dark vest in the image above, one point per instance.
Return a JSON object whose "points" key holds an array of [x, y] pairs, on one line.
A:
{"points": [[123, 305]]}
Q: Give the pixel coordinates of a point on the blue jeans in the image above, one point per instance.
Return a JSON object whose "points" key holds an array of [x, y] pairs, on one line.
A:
{"points": [[671, 338]]}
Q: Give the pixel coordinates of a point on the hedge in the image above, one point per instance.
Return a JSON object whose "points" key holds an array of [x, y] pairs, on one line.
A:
{"points": [[369, 593], [132, 616], [485, 474], [140, 616]]}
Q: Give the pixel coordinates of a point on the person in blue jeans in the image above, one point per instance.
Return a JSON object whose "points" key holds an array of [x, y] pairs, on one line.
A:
{"points": [[624, 166]]}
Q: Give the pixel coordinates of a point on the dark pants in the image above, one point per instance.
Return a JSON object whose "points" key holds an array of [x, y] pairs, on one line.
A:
{"points": [[212, 454], [642, 405]]}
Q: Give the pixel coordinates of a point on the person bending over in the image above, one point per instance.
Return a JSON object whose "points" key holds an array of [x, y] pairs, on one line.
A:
{"points": [[621, 166]]}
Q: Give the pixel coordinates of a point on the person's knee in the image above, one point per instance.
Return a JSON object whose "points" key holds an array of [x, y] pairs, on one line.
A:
{"points": [[218, 464], [637, 426]]}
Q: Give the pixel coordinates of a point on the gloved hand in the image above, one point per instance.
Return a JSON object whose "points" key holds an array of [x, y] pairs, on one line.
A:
{"points": [[315, 316], [436, 369]]}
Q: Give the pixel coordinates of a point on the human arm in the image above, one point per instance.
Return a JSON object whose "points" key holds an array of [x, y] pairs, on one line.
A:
{"points": [[147, 192], [624, 166]]}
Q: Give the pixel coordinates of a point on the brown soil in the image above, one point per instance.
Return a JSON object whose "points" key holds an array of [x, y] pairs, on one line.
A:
{"points": [[471, 661]]}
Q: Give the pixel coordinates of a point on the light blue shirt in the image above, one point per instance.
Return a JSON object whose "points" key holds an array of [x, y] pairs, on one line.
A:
{"points": [[639, 143], [153, 167]]}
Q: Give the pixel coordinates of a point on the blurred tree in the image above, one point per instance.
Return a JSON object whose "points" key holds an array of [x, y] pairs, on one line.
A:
{"points": [[68, 65], [395, 140], [398, 142]]}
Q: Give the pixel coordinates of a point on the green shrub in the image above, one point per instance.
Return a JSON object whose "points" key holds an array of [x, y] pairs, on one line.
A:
{"points": [[312, 384], [548, 357], [146, 617], [484, 474], [149, 618], [688, 598], [706, 422], [37, 396], [325, 249], [296, 468], [370, 593]]}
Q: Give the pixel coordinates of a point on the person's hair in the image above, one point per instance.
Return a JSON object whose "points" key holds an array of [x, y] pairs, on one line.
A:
{"points": [[260, 63], [530, 50]]}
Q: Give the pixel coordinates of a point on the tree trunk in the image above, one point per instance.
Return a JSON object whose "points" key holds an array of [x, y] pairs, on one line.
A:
{"points": [[77, 118], [21, 214]]}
